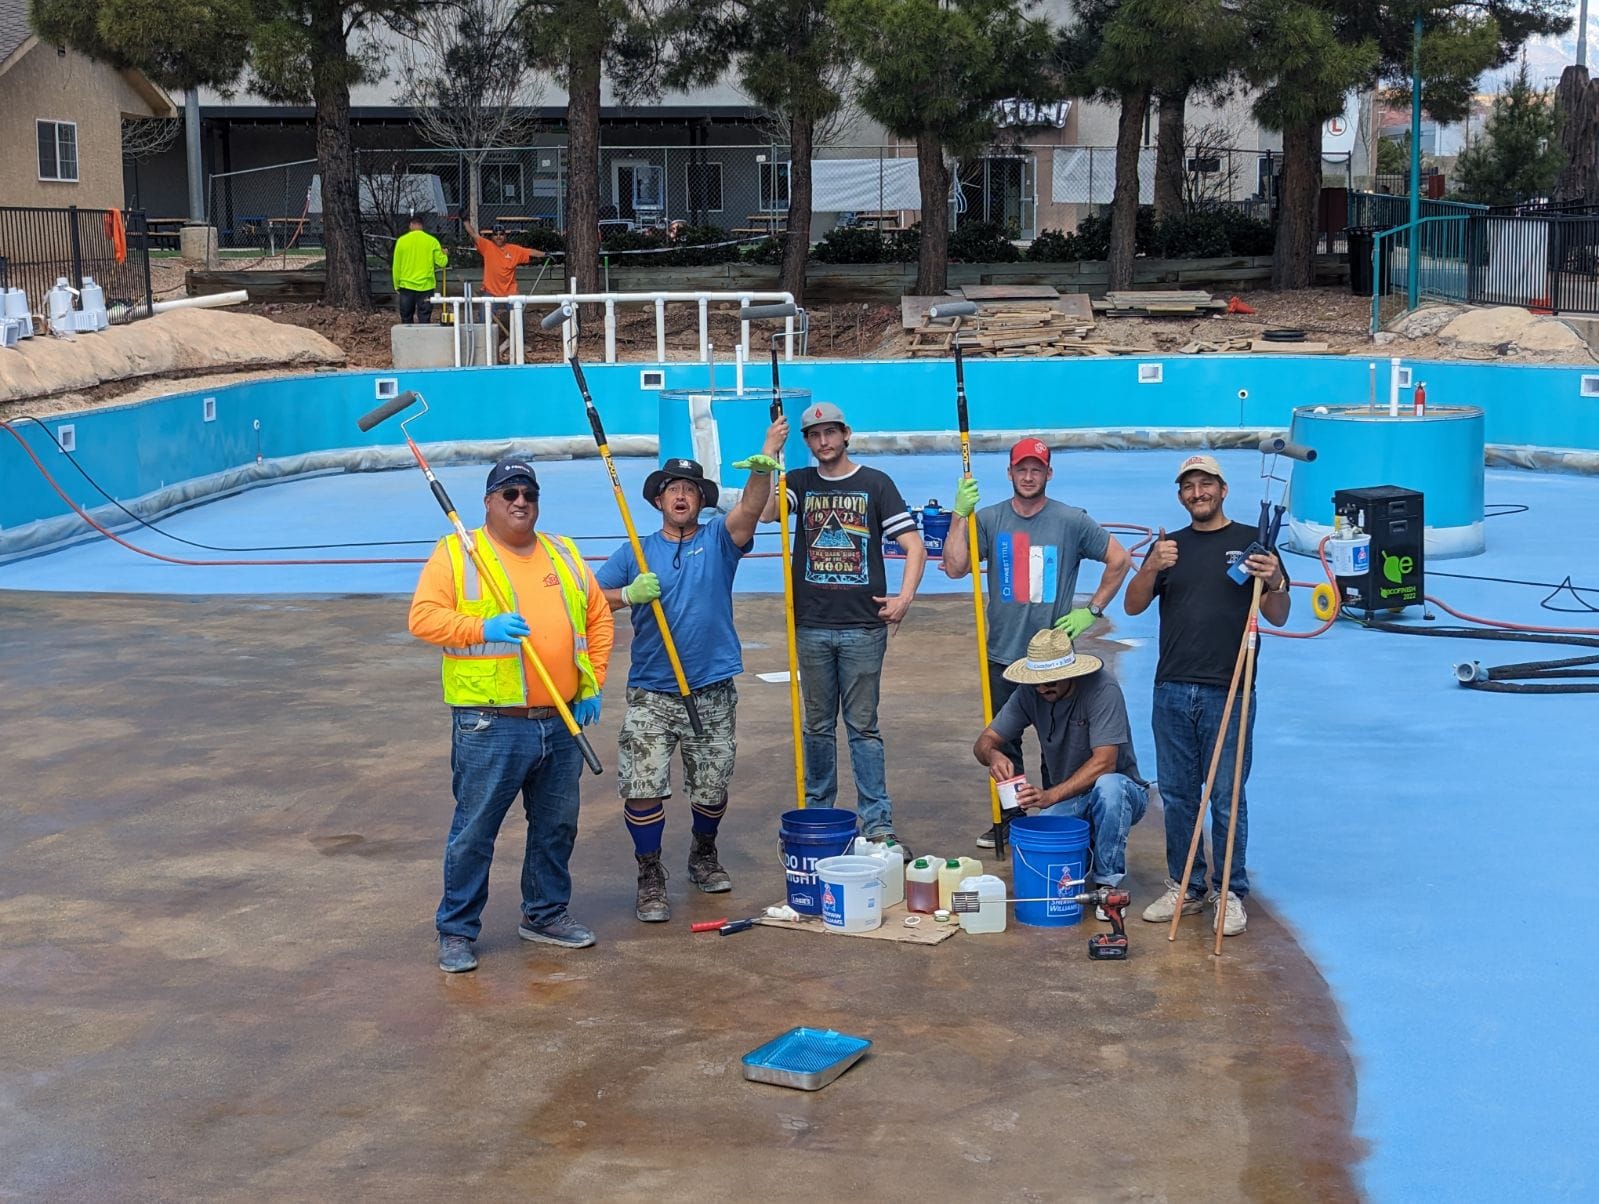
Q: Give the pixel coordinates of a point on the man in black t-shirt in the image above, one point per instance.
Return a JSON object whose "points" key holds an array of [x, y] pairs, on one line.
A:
{"points": [[1203, 613], [843, 612]]}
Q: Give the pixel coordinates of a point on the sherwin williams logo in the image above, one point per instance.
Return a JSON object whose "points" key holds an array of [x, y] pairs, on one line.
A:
{"points": [[1395, 568]]}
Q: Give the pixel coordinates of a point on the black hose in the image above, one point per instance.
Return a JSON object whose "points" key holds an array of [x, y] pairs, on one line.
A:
{"points": [[1522, 677]]}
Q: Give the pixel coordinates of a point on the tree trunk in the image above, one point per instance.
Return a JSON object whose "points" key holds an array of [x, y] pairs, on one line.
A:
{"points": [[1577, 106], [1124, 201], [932, 260], [1293, 258], [583, 162], [1169, 154], [346, 286], [797, 243]]}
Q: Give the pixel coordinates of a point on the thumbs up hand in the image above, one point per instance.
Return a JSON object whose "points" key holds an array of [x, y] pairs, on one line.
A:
{"points": [[1163, 554]]}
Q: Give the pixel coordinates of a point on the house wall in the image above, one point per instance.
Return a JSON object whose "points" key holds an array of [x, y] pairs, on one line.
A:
{"points": [[44, 84]]}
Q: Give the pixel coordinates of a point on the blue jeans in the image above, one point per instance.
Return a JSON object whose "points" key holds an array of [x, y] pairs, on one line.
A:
{"points": [[841, 668], [494, 758], [1111, 807], [1187, 716]]}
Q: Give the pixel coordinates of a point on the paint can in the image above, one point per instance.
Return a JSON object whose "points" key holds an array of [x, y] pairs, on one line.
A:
{"points": [[806, 836], [1350, 557], [1049, 854], [852, 893]]}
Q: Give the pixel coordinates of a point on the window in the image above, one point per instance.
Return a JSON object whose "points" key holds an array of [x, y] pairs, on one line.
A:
{"points": [[705, 187], [774, 186], [502, 184], [58, 150]]}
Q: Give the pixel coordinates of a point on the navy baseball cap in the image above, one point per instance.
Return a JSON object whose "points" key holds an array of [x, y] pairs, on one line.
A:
{"points": [[511, 471]]}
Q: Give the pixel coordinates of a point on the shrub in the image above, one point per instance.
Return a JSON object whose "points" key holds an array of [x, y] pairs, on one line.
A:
{"points": [[982, 242], [852, 244], [540, 238], [1212, 232], [1051, 246], [693, 247], [768, 251]]}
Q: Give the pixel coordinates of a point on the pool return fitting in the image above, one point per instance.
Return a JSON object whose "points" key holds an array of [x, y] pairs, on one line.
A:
{"points": [[795, 705], [1271, 519], [959, 310], [555, 317], [403, 402]]}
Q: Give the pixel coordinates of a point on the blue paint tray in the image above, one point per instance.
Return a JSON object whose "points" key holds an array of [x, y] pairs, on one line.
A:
{"points": [[807, 1058]]}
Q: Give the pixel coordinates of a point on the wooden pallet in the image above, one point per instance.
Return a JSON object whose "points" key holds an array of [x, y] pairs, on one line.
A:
{"points": [[1153, 303], [1011, 328]]}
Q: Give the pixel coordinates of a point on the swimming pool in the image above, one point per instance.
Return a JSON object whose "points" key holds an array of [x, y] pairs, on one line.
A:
{"points": [[1397, 815]]}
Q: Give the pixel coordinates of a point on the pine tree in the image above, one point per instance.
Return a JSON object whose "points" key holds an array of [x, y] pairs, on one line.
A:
{"points": [[1518, 158]]}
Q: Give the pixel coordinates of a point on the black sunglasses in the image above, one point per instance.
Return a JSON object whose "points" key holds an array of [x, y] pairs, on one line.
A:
{"points": [[515, 493]]}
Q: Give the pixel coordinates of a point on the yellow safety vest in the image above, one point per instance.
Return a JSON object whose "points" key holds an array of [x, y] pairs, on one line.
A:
{"points": [[491, 674]]}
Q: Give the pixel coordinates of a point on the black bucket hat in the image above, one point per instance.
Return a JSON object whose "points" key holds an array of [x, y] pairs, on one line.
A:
{"points": [[680, 470]]}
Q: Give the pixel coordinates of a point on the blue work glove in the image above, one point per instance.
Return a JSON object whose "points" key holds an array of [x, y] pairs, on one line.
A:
{"points": [[504, 629], [646, 587], [586, 711], [965, 497], [759, 462], [1075, 622]]}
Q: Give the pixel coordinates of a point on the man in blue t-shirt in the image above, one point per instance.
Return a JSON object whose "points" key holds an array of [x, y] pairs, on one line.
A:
{"points": [[691, 573]]}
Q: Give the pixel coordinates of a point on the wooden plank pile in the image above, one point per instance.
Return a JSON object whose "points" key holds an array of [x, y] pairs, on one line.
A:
{"points": [[1011, 329], [1247, 343], [1170, 303]]}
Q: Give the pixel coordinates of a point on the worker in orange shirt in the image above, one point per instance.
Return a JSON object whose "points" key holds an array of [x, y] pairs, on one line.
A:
{"points": [[501, 258], [506, 736]]}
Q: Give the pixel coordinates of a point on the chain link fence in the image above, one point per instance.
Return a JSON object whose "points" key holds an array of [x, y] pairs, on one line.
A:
{"points": [[742, 190]]}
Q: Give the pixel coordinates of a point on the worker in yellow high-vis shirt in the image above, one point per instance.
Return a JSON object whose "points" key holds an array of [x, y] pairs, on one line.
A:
{"points": [[417, 255]]}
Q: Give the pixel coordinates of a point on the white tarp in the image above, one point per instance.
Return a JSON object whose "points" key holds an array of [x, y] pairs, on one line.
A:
{"points": [[864, 185], [1086, 175], [398, 194]]}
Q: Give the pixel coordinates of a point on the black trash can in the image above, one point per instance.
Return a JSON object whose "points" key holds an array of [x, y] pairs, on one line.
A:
{"points": [[1360, 240]]}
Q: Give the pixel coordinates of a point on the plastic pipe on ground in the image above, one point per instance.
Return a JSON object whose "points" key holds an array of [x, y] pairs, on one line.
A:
{"points": [[215, 300]]}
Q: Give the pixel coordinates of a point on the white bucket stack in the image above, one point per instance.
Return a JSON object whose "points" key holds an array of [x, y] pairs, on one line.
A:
{"points": [[16, 322], [65, 318]]}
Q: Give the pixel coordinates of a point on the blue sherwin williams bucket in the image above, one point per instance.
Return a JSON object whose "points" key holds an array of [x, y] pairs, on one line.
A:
{"points": [[807, 835], [1048, 856], [935, 530]]}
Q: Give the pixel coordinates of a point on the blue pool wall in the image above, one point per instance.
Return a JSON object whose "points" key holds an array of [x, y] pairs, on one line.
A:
{"points": [[137, 449]]}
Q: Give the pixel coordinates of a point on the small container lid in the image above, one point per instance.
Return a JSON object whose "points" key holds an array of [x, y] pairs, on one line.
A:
{"points": [[954, 862], [921, 863]]}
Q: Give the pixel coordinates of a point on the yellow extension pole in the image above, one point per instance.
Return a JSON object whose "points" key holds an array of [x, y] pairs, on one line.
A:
{"points": [[795, 704]]}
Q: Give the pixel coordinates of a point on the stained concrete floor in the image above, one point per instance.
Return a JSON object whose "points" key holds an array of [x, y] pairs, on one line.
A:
{"points": [[217, 878]]}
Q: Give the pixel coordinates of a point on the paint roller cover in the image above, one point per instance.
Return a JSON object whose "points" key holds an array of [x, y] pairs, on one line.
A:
{"points": [[555, 317], [1281, 447], [387, 410], [750, 313], [954, 309]]}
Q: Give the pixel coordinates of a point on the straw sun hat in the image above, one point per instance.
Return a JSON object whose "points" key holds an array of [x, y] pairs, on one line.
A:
{"points": [[1050, 658]]}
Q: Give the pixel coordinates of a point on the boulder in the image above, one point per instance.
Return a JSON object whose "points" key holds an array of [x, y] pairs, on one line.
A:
{"points": [[169, 344], [1509, 327], [1425, 322]]}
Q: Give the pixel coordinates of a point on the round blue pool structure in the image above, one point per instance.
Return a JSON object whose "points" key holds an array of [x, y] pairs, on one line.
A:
{"points": [[1385, 790]]}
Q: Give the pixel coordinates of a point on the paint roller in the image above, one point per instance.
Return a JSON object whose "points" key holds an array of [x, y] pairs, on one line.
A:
{"points": [[1279, 446], [795, 705], [953, 309], [556, 316], [386, 411]]}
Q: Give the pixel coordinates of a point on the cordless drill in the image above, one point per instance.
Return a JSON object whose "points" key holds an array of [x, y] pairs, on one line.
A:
{"points": [[1112, 945]]}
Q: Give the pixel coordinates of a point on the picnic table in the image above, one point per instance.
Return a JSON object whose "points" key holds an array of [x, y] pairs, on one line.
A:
{"points": [[165, 231]]}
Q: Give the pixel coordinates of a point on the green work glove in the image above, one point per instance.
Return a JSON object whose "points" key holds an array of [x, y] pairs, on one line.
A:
{"points": [[759, 462], [966, 497], [646, 587], [1075, 622]]}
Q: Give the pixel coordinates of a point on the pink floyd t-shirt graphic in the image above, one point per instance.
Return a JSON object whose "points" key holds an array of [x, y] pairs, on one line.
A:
{"points": [[840, 524], [837, 536]]}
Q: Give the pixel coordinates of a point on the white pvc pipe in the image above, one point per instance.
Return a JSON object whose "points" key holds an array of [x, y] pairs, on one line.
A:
{"points": [[1393, 387], [705, 327], [660, 330], [215, 300], [739, 354], [610, 331], [518, 349], [744, 328]]}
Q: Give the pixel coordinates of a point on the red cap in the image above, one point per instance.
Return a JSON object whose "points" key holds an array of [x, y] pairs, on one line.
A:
{"points": [[1030, 449]]}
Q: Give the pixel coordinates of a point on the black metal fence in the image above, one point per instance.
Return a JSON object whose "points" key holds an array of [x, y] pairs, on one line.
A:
{"points": [[1545, 261], [40, 246]]}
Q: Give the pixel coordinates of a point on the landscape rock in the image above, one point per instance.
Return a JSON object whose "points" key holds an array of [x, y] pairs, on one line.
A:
{"points": [[184, 340], [1425, 322], [1506, 327]]}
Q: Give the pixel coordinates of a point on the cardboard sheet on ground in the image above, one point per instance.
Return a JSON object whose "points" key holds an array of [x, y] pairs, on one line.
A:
{"points": [[928, 932]]}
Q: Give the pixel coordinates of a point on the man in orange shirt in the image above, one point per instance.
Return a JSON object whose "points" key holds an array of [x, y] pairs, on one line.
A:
{"points": [[501, 258], [506, 736]]}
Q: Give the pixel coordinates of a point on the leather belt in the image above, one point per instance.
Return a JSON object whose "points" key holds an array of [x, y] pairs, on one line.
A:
{"points": [[518, 712]]}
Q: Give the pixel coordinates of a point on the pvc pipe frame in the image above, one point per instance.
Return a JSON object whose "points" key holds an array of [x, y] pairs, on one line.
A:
{"points": [[520, 301]]}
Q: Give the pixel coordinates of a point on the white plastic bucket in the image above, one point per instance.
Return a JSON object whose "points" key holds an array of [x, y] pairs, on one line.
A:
{"points": [[852, 893], [1350, 557]]}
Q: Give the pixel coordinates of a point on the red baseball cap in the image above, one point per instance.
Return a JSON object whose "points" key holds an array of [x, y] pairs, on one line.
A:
{"points": [[1030, 449]]}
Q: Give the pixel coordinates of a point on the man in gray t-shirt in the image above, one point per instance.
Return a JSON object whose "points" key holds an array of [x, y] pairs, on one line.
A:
{"points": [[1033, 545], [1078, 711]]}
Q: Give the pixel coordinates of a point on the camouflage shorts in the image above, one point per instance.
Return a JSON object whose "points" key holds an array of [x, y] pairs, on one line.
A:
{"points": [[657, 724]]}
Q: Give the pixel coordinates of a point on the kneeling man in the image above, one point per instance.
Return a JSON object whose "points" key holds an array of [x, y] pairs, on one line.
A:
{"points": [[1078, 712]]}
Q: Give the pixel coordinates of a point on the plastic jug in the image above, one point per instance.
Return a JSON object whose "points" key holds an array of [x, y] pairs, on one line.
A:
{"points": [[921, 885], [951, 873], [887, 852], [990, 915]]}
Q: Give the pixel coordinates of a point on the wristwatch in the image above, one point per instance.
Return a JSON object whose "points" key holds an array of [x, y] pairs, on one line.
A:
{"points": [[1096, 610]]}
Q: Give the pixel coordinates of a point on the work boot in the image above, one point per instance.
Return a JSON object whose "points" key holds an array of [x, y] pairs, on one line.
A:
{"points": [[1163, 908], [652, 906], [704, 870]]}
